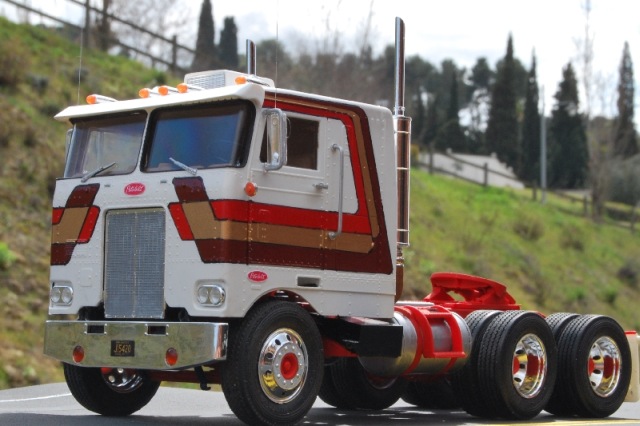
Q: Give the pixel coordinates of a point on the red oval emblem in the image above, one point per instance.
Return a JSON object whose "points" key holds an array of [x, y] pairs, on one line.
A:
{"points": [[134, 188], [257, 276]]}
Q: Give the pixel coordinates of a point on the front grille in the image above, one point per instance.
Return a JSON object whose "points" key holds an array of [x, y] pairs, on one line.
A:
{"points": [[134, 264]]}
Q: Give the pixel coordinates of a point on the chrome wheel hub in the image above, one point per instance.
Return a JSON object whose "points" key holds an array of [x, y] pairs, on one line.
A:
{"points": [[529, 366], [604, 365], [282, 367]]}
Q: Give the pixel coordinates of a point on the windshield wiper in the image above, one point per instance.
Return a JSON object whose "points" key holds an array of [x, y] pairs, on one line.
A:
{"points": [[97, 171], [184, 167]]}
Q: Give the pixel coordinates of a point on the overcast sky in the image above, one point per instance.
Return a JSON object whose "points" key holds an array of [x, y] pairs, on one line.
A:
{"points": [[461, 30]]}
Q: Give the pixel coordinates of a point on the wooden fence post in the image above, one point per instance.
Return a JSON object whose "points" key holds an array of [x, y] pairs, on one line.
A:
{"points": [[485, 168], [585, 206], [174, 54], [431, 152]]}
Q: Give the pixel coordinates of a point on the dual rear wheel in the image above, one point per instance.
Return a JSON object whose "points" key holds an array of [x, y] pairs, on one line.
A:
{"points": [[520, 364]]}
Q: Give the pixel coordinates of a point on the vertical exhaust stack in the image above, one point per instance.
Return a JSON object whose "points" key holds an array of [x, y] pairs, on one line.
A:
{"points": [[251, 57], [402, 127]]}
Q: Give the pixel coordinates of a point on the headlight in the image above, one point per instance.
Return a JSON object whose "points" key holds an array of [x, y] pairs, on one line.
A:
{"points": [[210, 294], [61, 295]]}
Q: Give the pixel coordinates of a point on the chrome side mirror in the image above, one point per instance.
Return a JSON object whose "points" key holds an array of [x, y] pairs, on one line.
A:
{"points": [[276, 122]]}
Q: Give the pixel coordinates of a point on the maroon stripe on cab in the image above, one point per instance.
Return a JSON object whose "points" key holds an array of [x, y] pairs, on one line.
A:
{"points": [[190, 189], [61, 253], [83, 195]]}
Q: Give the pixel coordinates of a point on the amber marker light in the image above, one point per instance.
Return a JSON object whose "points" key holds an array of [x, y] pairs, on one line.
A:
{"points": [[182, 88], [241, 80], [92, 99], [78, 354], [163, 90], [171, 357], [144, 93], [250, 189]]}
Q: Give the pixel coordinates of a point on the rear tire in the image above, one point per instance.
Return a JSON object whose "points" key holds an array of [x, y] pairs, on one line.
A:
{"points": [[559, 403], [594, 367], [111, 392], [359, 390], [328, 392], [465, 382], [517, 365], [274, 365], [436, 394]]}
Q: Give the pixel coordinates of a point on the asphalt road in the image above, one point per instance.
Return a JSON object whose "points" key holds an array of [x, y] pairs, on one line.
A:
{"points": [[53, 405]]}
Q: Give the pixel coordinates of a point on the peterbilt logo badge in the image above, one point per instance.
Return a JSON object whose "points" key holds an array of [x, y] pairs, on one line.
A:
{"points": [[257, 276], [134, 188]]}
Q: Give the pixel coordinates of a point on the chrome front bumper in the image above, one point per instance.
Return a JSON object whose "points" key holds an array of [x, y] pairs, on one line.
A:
{"points": [[138, 344]]}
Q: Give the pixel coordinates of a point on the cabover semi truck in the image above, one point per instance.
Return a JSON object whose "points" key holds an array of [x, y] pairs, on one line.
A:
{"points": [[227, 231]]}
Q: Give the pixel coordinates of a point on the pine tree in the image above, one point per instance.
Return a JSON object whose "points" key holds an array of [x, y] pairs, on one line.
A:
{"points": [[530, 164], [431, 121], [626, 142], [205, 56], [229, 44], [502, 129], [451, 135], [569, 154], [419, 116]]}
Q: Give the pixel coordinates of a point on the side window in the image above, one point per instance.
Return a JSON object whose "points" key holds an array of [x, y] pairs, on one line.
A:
{"points": [[302, 144]]}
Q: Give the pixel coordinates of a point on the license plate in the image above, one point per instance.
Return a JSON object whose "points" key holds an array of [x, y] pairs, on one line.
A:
{"points": [[123, 348]]}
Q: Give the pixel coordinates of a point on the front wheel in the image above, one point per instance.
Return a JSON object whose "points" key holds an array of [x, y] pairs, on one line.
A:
{"points": [[274, 365], [110, 391]]}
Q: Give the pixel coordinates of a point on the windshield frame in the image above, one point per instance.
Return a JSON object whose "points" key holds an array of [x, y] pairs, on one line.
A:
{"points": [[88, 139], [239, 149]]}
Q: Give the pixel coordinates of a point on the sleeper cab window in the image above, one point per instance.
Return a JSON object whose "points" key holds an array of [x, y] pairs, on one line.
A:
{"points": [[302, 143]]}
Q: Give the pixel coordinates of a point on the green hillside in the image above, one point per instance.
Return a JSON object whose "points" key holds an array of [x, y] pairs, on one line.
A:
{"points": [[550, 260]]}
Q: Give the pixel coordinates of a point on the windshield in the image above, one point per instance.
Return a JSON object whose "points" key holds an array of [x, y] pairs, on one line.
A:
{"points": [[199, 137], [105, 145]]}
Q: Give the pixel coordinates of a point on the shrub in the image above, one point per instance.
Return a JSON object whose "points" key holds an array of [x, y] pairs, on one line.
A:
{"points": [[573, 238], [529, 227], [14, 60], [6, 257], [629, 273]]}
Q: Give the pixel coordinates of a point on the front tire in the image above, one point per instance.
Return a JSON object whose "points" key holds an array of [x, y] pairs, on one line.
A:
{"points": [[274, 365], [112, 392]]}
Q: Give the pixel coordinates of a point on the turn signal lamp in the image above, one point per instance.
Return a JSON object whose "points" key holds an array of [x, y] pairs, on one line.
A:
{"points": [[78, 354], [251, 189], [171, 357]]}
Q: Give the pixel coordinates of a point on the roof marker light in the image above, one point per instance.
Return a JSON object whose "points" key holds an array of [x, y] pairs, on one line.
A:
{"points": [[98, 99], [241, 79], [167, 90], [144, 92], [184, 88]]}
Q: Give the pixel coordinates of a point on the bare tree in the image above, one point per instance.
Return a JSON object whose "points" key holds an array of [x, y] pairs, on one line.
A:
{"points": [[599, 134], [164, 17]]}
